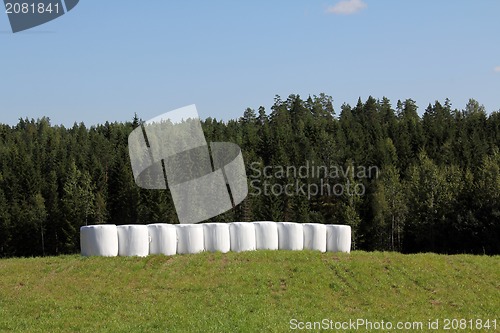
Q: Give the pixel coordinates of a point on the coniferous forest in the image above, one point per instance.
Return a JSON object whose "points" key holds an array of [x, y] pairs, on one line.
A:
{"points": [[436, 186]]}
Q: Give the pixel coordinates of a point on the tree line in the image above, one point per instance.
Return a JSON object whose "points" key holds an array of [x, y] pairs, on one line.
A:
{"points": [[437, 185]]}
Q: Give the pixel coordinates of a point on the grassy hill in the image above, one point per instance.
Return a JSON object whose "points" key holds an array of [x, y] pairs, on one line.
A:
{"points": [[262, 291]]}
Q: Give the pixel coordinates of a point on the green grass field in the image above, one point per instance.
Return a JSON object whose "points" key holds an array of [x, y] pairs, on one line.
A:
{"points": [[259, 291]]}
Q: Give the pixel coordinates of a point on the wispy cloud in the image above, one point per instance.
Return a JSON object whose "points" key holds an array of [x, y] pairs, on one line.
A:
{"points": [[347, 7], [496, 69]]}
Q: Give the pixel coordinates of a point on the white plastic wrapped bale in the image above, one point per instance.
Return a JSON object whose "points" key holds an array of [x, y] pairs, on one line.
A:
{"points": [[314, 236], [290, 236], [217, 237], [266, 235], [163, 239], [242, 236], [99, 240], [133, 240], [338, 238], [189, 238]]}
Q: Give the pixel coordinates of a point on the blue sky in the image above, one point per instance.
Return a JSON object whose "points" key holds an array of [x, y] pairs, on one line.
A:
{"points": [[105, 60]]}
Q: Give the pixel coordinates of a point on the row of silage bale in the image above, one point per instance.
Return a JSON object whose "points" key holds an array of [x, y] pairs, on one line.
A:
{"points": [[314, 236], [168, 239]]}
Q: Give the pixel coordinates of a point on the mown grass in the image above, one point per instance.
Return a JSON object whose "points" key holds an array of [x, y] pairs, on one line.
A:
{"points": [[257, 291]]}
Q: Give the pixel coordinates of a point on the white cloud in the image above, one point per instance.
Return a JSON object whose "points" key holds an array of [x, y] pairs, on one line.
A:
{"points": [[497, 69], [347, 7]]}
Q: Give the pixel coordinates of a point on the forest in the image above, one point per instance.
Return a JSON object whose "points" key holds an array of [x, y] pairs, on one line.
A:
{"points": [[404, 180]]}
